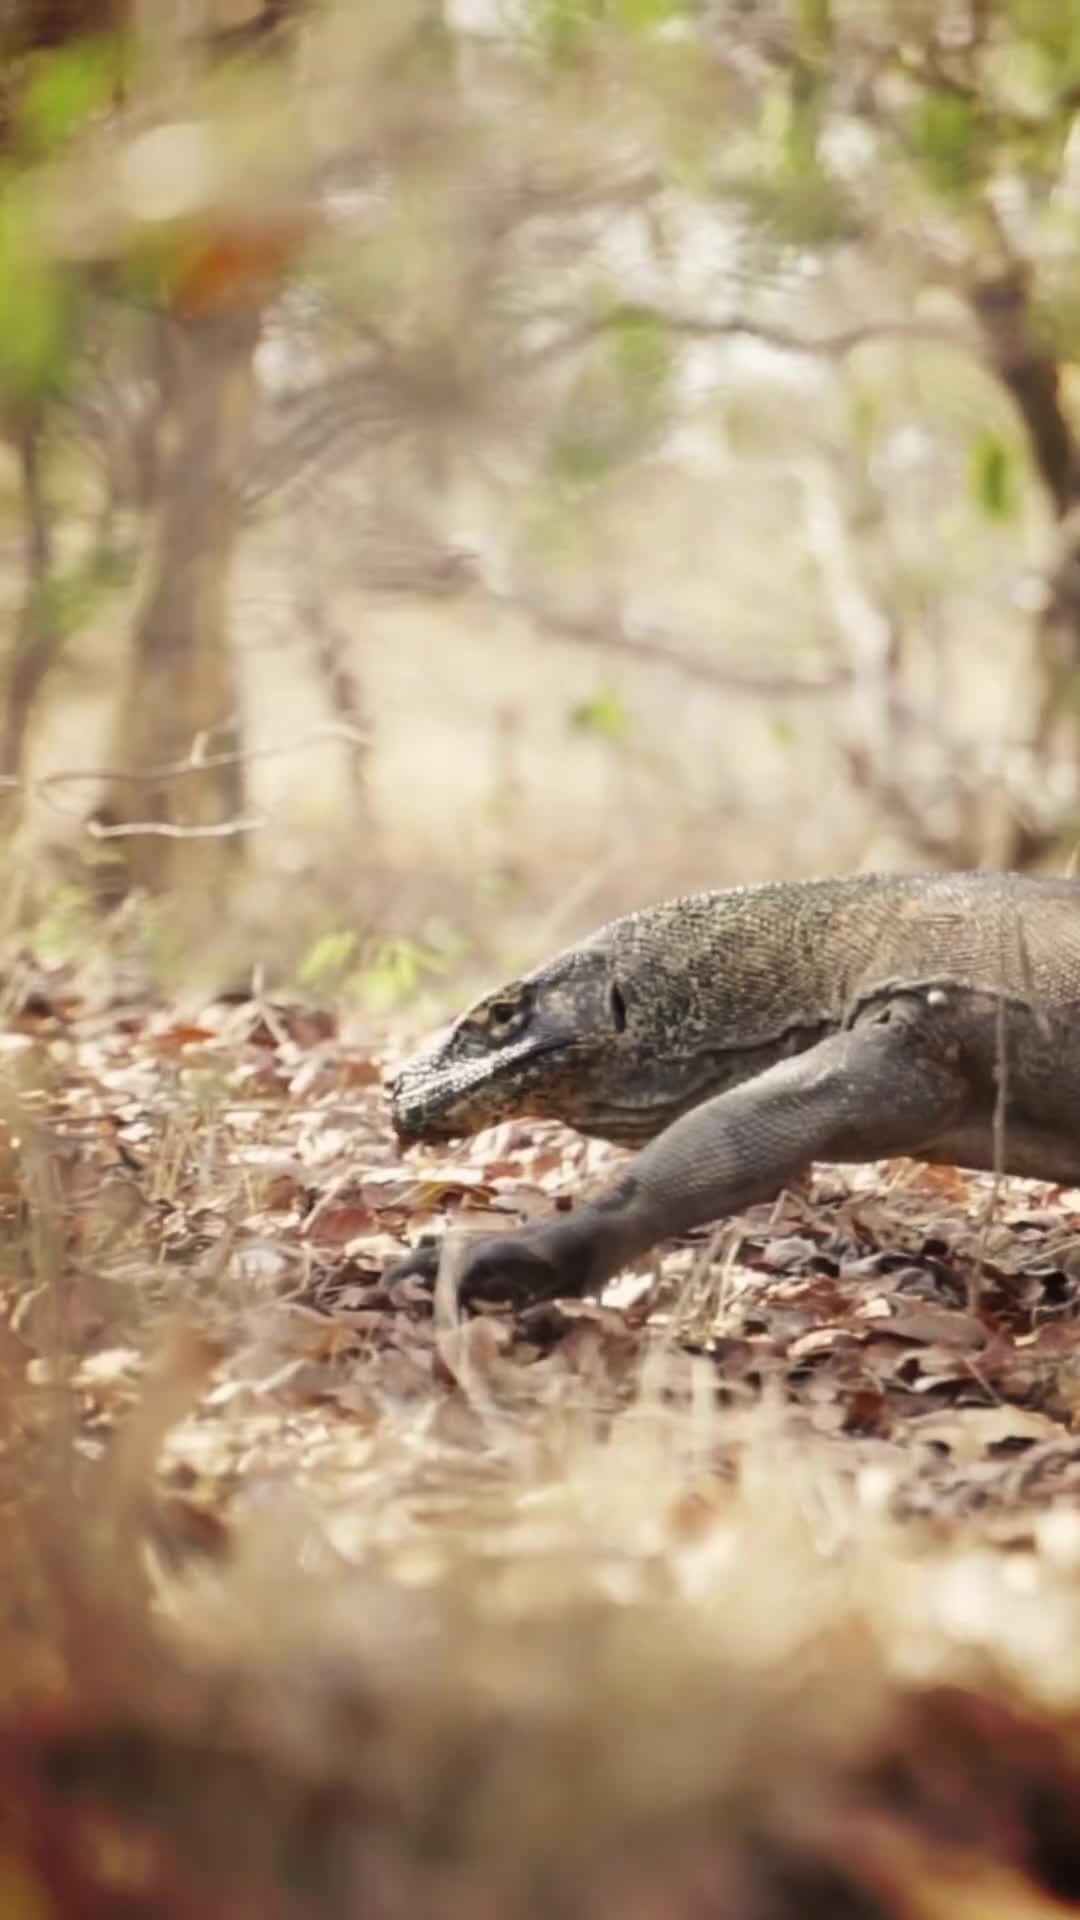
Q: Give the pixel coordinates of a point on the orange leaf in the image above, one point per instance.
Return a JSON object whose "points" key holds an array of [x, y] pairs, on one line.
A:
{"points": [[174, 1038]]}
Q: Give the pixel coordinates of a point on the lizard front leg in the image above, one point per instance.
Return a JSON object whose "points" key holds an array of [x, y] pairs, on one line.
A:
{"points": [[887, 1087]]}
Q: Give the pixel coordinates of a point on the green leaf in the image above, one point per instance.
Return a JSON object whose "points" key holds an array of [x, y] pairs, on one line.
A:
{"points": [[948, 141], [604, 716], [995, 476], [1021, 77], [640, 348], [814, 22], [1051, 25], [783, 731], [864, 416], [642, 15], [395, 971], [64, 87], [796, 197], [328, 958], [61, 931], [564, 25], [579, 462], [35, 302]]}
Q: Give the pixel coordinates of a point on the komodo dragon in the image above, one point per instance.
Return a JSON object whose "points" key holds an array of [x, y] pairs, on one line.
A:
{"points": [[745, 1033]]}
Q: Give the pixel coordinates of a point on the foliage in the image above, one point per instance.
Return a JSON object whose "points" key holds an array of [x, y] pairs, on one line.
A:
{"points": [[65, 87], [995, 480], [393, 970], [555, 236], [603, 715], [328, 959], [36, 300]]}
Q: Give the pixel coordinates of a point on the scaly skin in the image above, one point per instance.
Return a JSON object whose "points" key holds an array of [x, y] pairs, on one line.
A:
{"points": [[736, 1036]]}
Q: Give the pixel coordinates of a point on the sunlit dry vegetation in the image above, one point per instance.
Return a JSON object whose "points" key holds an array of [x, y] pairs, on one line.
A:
{"points": [[466, 469]]}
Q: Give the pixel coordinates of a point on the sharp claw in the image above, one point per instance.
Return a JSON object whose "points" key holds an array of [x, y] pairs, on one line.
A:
{"points": [[507, 1270], [421, 1264]]}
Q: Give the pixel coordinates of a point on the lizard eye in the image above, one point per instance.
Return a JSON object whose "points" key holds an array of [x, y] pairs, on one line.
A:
{"points": [[500, 1019], [618, 1007], [503, 1013]]}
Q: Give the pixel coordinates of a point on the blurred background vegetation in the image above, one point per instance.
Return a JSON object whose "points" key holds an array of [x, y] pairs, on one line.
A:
{"points": [[468, 466]]}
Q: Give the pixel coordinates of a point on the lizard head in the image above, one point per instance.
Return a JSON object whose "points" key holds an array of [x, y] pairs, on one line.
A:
{"points": [[523, 1049], [605, 1037]]}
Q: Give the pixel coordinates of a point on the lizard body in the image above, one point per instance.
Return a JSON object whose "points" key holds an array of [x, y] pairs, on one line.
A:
{"points": [[738, 1035]]}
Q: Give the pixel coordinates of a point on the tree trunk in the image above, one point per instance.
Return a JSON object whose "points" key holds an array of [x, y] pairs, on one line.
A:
{"points": [[36, 638], [181, 689], [1030, 371]]}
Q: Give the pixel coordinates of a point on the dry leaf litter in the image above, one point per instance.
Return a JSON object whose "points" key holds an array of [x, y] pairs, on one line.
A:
{"points": [[751, 1590]]}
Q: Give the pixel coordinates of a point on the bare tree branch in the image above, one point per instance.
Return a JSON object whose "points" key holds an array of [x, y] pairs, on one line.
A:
{"points": [[870, 634], [1023, 364], [197, 762], [829, 346], [656, 648], [324, 427]]}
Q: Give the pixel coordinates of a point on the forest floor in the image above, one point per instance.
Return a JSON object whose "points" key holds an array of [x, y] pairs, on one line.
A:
{"points": [[755, 1595]]}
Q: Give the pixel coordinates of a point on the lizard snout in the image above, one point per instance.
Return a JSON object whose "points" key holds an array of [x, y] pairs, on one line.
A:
{"points": [[413, 1117]]}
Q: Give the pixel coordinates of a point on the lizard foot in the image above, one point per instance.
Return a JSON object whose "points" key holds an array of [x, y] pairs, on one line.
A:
{"points": [[515, 1269]]}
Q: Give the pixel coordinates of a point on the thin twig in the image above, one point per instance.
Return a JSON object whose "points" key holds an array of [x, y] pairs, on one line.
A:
{"points": [[689, 326], [656, 649], [168, 830], [194, 762]]}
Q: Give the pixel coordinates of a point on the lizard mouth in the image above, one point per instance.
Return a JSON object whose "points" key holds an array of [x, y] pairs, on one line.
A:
{"points": [[423, 1130], [486, 1092], [416, 1119]]}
